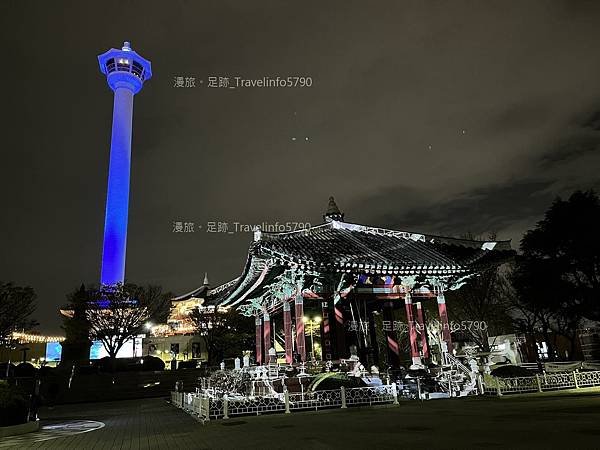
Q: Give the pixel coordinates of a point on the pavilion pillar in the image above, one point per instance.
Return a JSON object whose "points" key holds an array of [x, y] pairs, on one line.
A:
{"points": [[267, 335], [393, 348], [259, 354], [300, 338], [422, 331], [340, 332], [373, 352], [412, 331], [326, 347], [287, 331], [446, 337]]}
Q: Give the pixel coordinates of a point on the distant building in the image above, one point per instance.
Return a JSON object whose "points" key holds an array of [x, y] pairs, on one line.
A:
{"points": [[179, 338]]}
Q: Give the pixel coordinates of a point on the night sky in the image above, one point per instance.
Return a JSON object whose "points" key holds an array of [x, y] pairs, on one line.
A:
{"points": [[439, 117]]}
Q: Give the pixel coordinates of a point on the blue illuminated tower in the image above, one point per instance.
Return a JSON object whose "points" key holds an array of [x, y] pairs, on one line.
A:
{"points": [[125, 72]]}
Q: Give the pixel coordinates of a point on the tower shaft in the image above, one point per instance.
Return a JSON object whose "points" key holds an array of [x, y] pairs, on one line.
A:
{"points": [[117, 199]]}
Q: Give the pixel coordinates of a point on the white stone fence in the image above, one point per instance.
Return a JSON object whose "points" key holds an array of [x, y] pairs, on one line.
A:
{"points": [[544, 382], [205, 407]]}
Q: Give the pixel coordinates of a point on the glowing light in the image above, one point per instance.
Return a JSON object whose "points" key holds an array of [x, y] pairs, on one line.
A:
{"points": [[316, 320], [26, 338]]}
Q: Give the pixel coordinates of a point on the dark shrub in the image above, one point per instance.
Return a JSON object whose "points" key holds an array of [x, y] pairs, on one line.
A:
{"points": [[152, 363], [103, 364], [14, 405], [50, 391], [107, 365], [11, 370], [510, 371], [421, 373], [190, 364], [128, 364], [46, 371], [87, 370], [25, 370]]}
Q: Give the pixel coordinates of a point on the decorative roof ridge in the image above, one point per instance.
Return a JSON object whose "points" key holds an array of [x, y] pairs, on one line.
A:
{"points": [[501, 245], [485, 244], [336, 224], [267, 235], [431, 238], [223, 286]]}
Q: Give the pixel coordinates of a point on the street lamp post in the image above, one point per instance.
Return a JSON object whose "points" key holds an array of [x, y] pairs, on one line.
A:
{"points": [[312, 323], [312, 345]]}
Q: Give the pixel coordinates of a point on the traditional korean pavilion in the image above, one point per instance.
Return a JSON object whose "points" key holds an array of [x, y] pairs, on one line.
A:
{"points": [[351, 274]]}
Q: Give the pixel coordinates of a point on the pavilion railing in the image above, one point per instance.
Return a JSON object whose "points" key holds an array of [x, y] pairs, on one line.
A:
{"points": [[205, 406], [370, 395], [542, 383]]}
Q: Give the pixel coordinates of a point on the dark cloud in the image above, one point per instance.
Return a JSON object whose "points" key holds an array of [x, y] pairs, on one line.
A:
{"points": [[570, 149], [522, 116], [479, 211], [592, 121]]}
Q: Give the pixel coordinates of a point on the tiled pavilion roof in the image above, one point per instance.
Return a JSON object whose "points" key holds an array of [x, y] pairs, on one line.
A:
{"points": [[337, 246]]}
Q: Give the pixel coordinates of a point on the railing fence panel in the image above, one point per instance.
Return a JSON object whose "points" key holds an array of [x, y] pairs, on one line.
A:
{"points": [[208, 405], [543, 382]]}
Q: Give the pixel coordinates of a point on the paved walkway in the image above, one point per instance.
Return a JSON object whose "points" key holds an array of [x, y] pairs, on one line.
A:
{"points": [[524, 422], [52, 431]]}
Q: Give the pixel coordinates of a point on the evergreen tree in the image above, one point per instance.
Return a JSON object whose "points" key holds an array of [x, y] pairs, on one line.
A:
{"points": [[76, 347]]}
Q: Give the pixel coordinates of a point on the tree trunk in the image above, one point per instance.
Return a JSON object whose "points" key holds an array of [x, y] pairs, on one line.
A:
{"points": [[572, 340], [113, 361], [549, 343], [485, 343]]}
